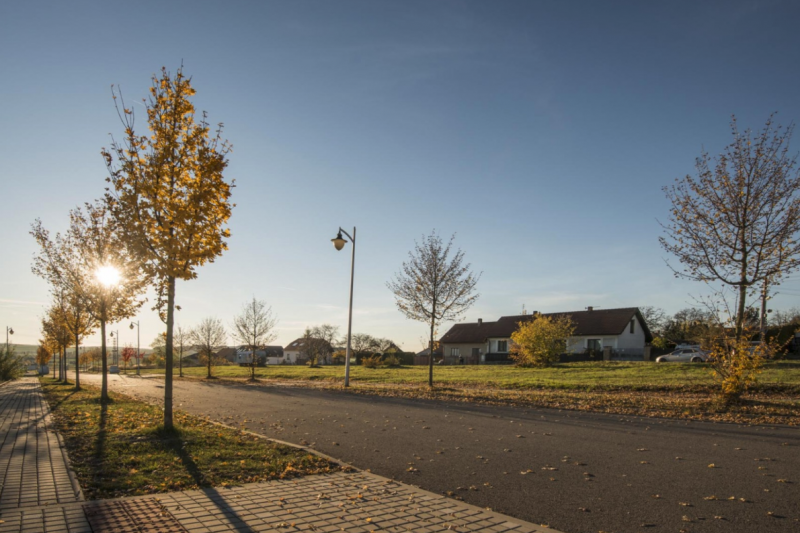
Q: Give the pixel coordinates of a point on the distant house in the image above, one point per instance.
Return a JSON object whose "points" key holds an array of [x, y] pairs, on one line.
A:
{"points": [[226, 353], [623, 330], [422, 358], [296, 352], [268, 355]]}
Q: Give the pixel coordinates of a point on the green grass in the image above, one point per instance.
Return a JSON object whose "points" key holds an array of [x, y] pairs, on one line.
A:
{"points": [[783, 375], [121, 449]]}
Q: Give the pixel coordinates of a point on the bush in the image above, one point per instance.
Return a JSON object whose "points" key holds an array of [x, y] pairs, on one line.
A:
{"points": [[391, 361], [11, 366], [540, 342], [736, 365], [372, 361]]}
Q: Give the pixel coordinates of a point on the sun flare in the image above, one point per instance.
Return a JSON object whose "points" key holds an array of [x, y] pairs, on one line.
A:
{"points": [[108, 276]]}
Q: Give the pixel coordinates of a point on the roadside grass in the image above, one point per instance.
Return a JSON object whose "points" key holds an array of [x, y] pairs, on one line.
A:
{"points": [[121, 449], [669, 390], [636, 376]]}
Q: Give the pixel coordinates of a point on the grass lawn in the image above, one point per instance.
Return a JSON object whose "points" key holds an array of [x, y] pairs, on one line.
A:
{"points": [[121, 450], [782, 375], [673, 390]]}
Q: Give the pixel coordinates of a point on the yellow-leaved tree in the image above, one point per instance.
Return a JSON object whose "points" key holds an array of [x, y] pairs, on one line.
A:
{"points": [[168, 193], [539, 342]]}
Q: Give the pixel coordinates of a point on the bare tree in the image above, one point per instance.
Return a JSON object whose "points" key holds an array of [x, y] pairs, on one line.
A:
{"points": [[434, 287], [737, 223], [318, 343], [254, 328], [654, 317], [363, 345], [180, 339], [207, 336]]}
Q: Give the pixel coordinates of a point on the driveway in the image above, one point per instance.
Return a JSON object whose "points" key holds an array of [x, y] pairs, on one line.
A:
{"points": [[575, 471]]}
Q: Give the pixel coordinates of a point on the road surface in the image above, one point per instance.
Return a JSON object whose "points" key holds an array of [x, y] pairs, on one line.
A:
{"points": [[575, 471]]}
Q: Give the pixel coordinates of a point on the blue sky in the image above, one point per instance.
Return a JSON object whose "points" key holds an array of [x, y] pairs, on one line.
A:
{"points": [[541, 133]]}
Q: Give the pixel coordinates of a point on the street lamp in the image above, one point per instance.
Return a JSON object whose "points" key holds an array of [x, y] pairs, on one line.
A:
{"points": [[338, 243], [9, 331], [137, 346], [116, 346]]}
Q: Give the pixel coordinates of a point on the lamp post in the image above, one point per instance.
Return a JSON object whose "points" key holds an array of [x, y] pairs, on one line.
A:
{"points": [[115, 335], [9, 331], [137, 346], [338, 243]]}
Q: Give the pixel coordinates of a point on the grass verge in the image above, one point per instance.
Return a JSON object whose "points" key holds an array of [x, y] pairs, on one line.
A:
{"points": [[121, 449], [776, 375], [671, 390]]}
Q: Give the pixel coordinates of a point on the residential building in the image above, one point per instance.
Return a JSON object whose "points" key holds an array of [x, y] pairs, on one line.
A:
{"points": [[623, 330]]}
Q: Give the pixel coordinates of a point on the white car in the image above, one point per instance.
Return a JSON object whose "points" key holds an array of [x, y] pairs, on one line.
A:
{"points": [[684, 355]]}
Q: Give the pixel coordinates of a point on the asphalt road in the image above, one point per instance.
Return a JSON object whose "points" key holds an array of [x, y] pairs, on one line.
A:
{"points": [[577, 472]]}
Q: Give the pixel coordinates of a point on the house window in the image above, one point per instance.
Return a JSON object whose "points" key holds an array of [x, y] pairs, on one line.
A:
{"points": [[502, 346], [594, 344], [633, 321], [455, 352], [476, 352]]}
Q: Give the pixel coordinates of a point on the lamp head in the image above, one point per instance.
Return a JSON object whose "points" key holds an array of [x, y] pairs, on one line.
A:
{"points": [[131, 325], [338, 242], [10, 331]]}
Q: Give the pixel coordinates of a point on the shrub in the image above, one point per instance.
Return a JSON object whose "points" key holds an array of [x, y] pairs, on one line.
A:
{"points": [[371, 361], [735, 367], [391, 361], [540, 341]]}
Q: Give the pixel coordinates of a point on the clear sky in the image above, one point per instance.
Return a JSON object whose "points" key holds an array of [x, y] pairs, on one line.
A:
{"points": [[541, 133]]}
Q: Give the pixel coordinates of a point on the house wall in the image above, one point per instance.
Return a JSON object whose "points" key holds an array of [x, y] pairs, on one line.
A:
{"points": [[492, 348], [631, 342], [626, 342], [465, 351]]}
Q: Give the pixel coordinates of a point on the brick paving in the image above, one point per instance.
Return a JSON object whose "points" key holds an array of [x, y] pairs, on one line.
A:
{"points": [[38, 495], [33, 466]]}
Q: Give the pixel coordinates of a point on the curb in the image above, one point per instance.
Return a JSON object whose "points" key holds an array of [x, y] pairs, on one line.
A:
{"points": [[346, 467]]}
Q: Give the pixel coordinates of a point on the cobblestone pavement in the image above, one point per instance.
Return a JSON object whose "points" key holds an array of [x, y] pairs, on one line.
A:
{"points": [[38, 495]]}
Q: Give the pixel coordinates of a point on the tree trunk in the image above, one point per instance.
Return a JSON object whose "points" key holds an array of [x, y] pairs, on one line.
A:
{"points": [[77, 360], [430, 359], [740, 311], [103, 362], [180, 361], [253, 363], [168, 371]]}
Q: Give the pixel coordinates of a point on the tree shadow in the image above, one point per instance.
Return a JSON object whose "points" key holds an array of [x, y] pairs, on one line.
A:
{"points": [[172, 440], [98, 461]]}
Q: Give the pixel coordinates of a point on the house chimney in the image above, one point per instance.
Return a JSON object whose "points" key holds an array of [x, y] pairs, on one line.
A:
{"points": [[480, 321], [590, 308]]}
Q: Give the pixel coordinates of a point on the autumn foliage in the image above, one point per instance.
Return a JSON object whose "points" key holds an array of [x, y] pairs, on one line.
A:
{"points": [[540, 341], [737, 222]]}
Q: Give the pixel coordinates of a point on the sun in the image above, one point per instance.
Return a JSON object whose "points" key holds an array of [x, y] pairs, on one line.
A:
{"points": [[108, 275]]}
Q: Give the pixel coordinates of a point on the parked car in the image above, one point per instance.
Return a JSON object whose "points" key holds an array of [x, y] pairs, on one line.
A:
{"points": [[684, 355], [113, 369]]}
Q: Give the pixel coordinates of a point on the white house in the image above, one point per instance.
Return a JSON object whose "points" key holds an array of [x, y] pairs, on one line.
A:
{"points": [[623, 330]]}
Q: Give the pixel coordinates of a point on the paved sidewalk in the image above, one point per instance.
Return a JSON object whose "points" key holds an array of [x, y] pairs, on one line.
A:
{"points": [[38, 495], [33, 465]]}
